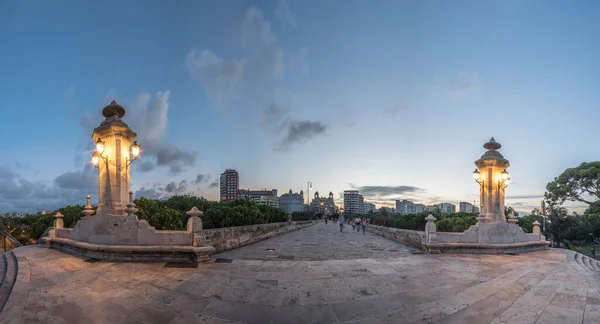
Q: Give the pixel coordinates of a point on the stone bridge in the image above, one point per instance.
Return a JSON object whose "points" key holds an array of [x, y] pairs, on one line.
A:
{"points": [[312, 275]]}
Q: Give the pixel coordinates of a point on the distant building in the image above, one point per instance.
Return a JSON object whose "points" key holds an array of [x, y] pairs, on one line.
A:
{"points": [[323, 205], [230, 184], [408, 207], [369, 208], [446, 208], [271, 201], [252, 194], [292, 202], [465, 207], [353, 202]]}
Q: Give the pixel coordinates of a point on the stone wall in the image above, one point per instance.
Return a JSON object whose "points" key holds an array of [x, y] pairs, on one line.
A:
{"points": [[223, 239], [409, 238]]}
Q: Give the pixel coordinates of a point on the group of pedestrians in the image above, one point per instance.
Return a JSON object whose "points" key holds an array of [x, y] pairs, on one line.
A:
{"points": [[357, 223]]}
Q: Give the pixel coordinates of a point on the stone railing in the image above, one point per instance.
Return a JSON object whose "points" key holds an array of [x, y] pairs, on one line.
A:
{"points": [[409, 238], [223, 239]]}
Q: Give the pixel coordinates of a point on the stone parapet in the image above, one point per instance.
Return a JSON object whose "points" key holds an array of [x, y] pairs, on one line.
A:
{"points": [[224, 239], [409, 238], [172, 253]]}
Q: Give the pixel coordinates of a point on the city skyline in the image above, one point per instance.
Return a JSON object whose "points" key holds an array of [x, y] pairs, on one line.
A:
{"points": [[393, 98]]}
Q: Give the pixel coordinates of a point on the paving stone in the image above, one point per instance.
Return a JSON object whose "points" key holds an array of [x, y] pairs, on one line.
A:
{"points": [[340, 280]]}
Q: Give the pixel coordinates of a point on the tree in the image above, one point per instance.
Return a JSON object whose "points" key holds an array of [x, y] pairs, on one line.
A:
{"points": [[158, 215], [509, 210], [576, 184], [385, 213], [562, 226]]}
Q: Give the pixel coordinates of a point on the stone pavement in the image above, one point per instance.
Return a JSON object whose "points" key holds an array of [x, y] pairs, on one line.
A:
{"points": [[541, 287], [321, 242]]}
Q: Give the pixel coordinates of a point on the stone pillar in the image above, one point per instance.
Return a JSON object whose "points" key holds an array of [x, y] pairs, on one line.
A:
{"points": [[194, 225], [536, 227], [58, 221], [113, 168], [88, 210], [430, 229], [492, 188]]}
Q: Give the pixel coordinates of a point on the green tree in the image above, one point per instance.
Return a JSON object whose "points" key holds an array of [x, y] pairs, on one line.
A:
{"points": [[159, 215], [580, 184], [72, 214], [40, 226], [562, 226]]}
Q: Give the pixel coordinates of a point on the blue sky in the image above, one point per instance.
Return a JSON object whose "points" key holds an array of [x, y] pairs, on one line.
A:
{"points": [[395, 98]]}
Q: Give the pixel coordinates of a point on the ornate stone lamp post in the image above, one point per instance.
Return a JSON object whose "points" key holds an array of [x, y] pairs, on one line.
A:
{"points": [[493, 179], [115, 151]]}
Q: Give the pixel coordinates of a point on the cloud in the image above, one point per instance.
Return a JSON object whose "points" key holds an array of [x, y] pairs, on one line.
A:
{"points": [[6, 173], [387, 191], [215, 184], [218, 76], [173, 188], [540, 197], [465, 82], [284, 14], [201, 178], [18, 194], [300, 132], [259, 42], [85, 179], [272, 114], [145, 166]]}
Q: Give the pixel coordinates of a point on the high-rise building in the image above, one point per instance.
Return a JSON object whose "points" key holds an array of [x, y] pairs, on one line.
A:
{"points": [[292, 202], [251, 194], [368, 208], [465, 207], [405, 207], [271, 201], [446, 208], [323, 205], [230, 185], [353, 202]]}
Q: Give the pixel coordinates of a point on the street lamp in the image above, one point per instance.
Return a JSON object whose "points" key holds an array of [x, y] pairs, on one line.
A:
{"points": [[98, 154], [505, 181], [477, 177]]}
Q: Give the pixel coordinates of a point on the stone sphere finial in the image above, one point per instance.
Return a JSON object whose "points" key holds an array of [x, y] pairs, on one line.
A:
{"points": [[492, 145], [113, 109], [194, 212]]}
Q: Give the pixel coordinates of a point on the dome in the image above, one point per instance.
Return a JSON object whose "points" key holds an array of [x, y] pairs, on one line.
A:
{"points": [[113, 109]]}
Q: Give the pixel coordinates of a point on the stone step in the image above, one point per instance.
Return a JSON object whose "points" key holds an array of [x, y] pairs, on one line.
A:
{"points": [[579, 262], [587, 263], [596, 266], [12, 269]]}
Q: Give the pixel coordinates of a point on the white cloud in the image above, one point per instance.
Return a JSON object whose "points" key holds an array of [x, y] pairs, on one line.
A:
{"points": [[284, 14], [218, 76]]}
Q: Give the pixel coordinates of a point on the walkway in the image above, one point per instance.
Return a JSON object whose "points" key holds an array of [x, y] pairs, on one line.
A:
{"points": [[553, 286], [321, 242]]}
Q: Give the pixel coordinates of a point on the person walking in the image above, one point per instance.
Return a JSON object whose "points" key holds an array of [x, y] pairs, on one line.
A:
{"points": [[363, 223], [341, 221], [357, 221], [353, 225]]}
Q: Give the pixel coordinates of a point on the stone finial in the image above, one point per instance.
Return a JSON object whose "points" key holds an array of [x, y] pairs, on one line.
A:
{"points": [[58, 221], [194, 223], [194, 212], [289, 218], [113, 109], [536, 227], [88, 210], [492, 145], [430, 229], [131, 210]]}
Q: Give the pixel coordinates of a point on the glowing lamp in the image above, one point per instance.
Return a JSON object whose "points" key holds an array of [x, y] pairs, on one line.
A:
{"points": [[504, 175], [95, 159], [476, 175], [135, 149], [506, 182], [99, 146]]}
